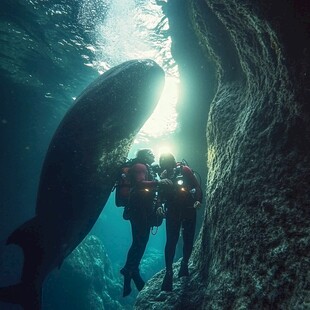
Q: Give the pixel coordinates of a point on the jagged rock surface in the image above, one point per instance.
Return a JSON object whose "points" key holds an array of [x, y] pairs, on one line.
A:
{"points": [[151, 297], [85, 281], [253, 249]]}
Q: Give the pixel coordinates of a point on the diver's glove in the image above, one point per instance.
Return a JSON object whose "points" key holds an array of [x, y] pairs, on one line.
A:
{"points": [[160, 212], [165, 182], [197, 205]]}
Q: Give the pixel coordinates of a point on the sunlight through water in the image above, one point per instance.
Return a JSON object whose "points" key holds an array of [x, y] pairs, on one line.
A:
{"points": [[135, 29], [164, 118]]}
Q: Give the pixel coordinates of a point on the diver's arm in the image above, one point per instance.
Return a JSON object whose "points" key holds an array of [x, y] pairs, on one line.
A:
{"points": [[193, 183]]}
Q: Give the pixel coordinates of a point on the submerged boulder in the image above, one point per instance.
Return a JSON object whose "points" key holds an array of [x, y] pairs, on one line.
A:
{"points": [[86, 280], [151, 297]]}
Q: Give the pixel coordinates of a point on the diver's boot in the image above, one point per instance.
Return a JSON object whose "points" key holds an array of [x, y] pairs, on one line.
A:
{"points": [[136, 277], [127, 279], [167, 282], [183, 272]]}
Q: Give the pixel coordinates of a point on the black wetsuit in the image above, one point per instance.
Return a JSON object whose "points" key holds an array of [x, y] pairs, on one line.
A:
{"points": [[181, 213], [141, 208]]}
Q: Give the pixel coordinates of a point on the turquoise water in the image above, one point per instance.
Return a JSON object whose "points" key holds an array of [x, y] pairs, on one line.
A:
{"points": [[50, 51], [130, 30]]}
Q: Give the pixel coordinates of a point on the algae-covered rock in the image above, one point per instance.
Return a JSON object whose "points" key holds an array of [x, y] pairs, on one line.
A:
{"points": [[86, 280], [253, 249]]}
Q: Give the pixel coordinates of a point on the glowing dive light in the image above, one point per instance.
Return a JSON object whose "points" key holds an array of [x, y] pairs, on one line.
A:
{"points": [[180, 182]]}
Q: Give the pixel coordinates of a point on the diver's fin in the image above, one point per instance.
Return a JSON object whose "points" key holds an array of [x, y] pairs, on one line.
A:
{"points": [[29, 297]]}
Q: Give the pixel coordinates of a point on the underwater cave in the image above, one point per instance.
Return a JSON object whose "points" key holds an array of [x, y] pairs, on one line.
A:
{"points": [[244, 122], [248, 66]]}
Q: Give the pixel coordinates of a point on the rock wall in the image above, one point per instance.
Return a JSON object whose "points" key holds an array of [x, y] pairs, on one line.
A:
{"points": [[253, 249]]}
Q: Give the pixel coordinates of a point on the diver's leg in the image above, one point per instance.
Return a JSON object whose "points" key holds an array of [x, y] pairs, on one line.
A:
{"points": [[126, 271], [140, 237], [144, 235], [172, 230], [188, 232]]}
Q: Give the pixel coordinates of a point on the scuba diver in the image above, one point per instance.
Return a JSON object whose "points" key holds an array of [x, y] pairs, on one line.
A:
{"points": [[182, 199], [141, 214]]}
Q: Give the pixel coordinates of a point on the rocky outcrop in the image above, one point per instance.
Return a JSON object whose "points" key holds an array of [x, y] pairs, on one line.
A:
{"points": [[151, 297], [85, 281], [252, 252]]}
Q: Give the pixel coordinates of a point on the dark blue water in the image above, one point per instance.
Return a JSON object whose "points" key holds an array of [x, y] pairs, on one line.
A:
{"points": [[50, 51]]}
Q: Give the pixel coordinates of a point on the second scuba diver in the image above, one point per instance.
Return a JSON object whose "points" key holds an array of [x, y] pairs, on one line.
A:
{"points": [[181, 201]]}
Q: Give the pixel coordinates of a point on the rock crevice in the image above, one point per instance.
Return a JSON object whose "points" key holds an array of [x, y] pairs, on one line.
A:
{"points": [[252, 250]]}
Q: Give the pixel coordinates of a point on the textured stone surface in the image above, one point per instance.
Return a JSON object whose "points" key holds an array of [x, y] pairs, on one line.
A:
{"points": [[85, 281], [253, 249], [247, 62], [151, 297]]}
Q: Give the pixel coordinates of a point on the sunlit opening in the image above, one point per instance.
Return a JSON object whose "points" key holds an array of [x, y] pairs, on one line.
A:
{"points": [[160, 149], [132, 30], [161, 124], [164, 118]]}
